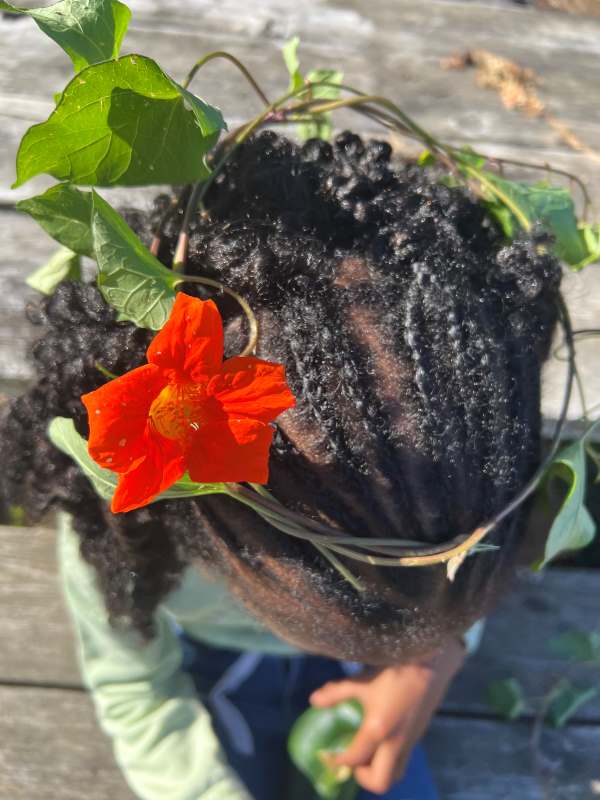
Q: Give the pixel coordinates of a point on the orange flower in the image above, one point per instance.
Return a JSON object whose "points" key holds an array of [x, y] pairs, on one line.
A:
{"points": [[186, 410]]}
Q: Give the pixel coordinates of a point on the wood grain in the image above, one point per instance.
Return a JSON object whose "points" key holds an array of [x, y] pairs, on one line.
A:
{"points": [[38, 646], [51, 747]]}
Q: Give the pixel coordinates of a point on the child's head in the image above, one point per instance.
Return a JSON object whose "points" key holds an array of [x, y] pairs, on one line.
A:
{"points": [[413, 341]]}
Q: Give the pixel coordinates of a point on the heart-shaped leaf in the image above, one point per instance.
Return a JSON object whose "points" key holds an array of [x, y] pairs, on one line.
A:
{"points": [[130, 278], [122, 123], [64, 436], [573, 527], [65, 213], [577, 645], [64, 265], [506, 698], [566, 700], [87, 30]]}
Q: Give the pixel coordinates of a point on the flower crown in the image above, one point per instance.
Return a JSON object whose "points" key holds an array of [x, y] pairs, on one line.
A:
{"points": [[186, 423]]}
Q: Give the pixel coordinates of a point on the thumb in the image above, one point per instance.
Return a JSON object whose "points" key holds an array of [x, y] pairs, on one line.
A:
{"points": [[335, 692]]}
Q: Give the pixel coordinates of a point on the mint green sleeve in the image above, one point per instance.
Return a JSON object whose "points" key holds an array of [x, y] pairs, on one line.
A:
{"points": [[162, 735]]}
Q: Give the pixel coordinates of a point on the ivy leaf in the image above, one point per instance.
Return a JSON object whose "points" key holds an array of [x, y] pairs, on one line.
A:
{"points": [[65, 213], [577, 645], [64, 265], [122, 123], [289, 52], [87, 30], [64, 436], [573, 527], [566, 700], [319, 84], [506, 698], [130, 278]]}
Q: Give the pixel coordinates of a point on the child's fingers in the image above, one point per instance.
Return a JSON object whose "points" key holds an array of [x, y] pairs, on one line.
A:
{"points": [[335, 692], [386, 767], [362, 748]]}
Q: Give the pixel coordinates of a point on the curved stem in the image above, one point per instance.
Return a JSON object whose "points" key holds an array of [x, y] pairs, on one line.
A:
{"points": [[233, 60], [252, 321]]}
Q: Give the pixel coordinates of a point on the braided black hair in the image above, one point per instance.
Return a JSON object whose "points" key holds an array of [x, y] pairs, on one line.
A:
{"points": [[413, 339]]}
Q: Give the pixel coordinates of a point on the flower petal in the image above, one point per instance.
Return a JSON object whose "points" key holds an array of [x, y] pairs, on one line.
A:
{"points": [[250, 387], [191, 341], [117, 415], [162, 466], [233, 450]]}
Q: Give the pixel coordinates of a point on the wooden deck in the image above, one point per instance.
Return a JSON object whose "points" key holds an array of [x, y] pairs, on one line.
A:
{"points": [[50, 746]]}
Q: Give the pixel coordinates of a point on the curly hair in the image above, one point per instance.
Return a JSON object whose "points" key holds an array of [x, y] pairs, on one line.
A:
{"points": [[413, 339]]}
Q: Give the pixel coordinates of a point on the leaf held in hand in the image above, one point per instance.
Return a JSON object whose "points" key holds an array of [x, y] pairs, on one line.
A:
{"points": [[506, 698], [65, 213], [315, 736], [64, 265], [566, 700], [64, 436], [573, 527], [130, 278], [123, 123], [88, 31]]}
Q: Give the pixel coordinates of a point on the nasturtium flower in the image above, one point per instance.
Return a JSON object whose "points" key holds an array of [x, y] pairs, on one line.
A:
{"points": [[186, 410]]}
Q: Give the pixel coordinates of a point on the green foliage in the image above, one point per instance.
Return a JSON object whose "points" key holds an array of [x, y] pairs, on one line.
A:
{"points": [[64, 265], [317, 85], [577, 645], [123, 123], [566, 699], [64, 436], [65, 213], [506, 698], [573, 526], [317, 732], [130, 278], [289, 52], [319, 82], [87, 30]]}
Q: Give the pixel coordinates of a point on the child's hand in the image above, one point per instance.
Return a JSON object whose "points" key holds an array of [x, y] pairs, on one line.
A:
{"points": [[398, 704]]}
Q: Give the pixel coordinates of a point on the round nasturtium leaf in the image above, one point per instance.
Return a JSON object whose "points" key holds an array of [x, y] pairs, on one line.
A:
{"points": [[317, 734]]}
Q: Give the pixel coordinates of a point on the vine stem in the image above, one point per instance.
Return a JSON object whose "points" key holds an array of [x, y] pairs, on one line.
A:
{"points": [[233, 60], [252, 321]]}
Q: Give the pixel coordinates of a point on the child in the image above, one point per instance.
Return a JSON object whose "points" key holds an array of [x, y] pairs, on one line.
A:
{"points": [[413, 342]]}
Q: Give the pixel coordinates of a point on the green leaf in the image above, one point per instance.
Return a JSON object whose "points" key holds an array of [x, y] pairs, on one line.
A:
{"points": [[290, 56], [577, 645], [318, 82], [590, 238], [122, 123], [130, 278], [87, 30], [65, 213], [566, 700], [573, 527], [64, 436], [64, 265], [506, 698]]}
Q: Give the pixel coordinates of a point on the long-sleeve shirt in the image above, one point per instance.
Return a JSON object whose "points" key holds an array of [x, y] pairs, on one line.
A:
{"points": [[162, 735]]}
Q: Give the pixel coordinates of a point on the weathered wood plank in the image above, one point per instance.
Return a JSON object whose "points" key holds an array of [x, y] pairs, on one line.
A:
{"points": [[393, 47], [38, 645], [482, 760], [50, 746]]}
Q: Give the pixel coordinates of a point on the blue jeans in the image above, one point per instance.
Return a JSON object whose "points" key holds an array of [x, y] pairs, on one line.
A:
{"points": [[254, 700]]}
